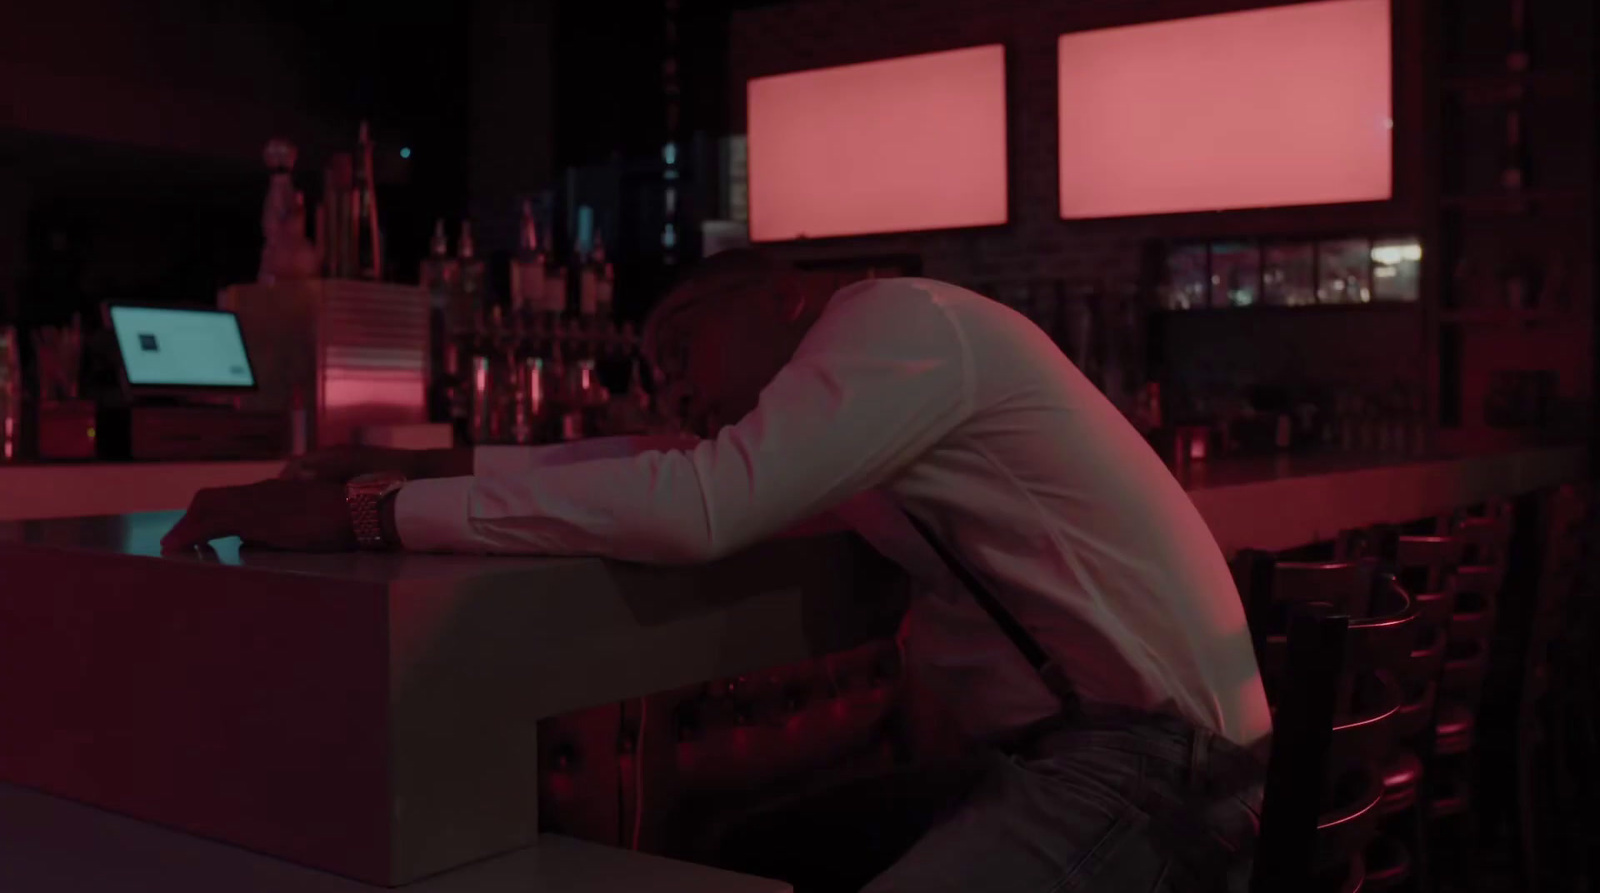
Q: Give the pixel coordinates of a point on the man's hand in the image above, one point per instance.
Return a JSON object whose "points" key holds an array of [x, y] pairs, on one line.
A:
{"points": [[340, 464], [305, 516]]}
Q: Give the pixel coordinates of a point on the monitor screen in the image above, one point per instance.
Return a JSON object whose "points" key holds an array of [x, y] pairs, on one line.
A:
{"points": [[181, 348], [897, 145], [1289, 105]]}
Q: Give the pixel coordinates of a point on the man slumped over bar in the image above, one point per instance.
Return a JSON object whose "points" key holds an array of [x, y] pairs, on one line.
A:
{"points": [[883, 405]]}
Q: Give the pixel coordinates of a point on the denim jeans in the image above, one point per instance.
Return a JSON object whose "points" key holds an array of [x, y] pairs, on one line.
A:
{"points": [[1114, 801]]}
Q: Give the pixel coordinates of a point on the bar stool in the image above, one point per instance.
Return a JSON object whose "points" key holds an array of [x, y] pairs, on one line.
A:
{"points": [[1473, 590], [1333, 683], [1421, 564]]}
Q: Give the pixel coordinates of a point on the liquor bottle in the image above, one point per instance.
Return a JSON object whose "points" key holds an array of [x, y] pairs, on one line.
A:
{"points": [[277, 228], [563, 408], [593, 285], [527, 267], [505, 338], [586, 284], [439, 278], [438, 268], [338, 182], [605, 292], [593, 398], [630, 413], [532, 412], [555, 287], [1517, 58], [10, 394], [368, 242], [1514, 167], [482, 384], [472, 281]]}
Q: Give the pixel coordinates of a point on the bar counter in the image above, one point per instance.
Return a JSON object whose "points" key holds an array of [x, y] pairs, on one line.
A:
{"points": [[1266, 502], [374, 715], [1279, 502]]}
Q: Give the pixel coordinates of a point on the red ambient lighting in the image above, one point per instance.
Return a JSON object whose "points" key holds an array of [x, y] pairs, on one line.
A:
{"points": [[1283, 106], [914, 143]]}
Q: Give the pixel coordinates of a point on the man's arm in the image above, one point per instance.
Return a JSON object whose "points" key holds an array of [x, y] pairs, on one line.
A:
{"points": [[497, 461], [870, 391], [504, 461]]}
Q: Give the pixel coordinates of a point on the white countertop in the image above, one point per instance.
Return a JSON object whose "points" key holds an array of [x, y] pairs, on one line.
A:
{"points": [[1268, 502]]}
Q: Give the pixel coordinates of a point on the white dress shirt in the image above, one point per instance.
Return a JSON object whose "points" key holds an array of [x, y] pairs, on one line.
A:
{"points": [[920, 394]]}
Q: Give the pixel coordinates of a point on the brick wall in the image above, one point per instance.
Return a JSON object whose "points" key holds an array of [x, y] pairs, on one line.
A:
{"points": [[1010, 262], [1036, 244]]}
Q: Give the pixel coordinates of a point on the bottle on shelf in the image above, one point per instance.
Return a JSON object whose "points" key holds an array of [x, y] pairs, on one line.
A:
{"points": [[368, 240], [629, 412], [470, 304], [555, 286], [605, 292], [482, 388], [439, 278], [1517, 57], [555, 389], [533, 406], [335, 225], [593, 398], [506, 338], [528, 267], [453, 396], [589, 278], [1514, 160], [596, 286], [440, 271], [10, 394]]}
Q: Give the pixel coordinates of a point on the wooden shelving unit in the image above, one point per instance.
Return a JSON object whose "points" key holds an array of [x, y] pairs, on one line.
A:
{"points": [[1511, 266], [1510, 86]]}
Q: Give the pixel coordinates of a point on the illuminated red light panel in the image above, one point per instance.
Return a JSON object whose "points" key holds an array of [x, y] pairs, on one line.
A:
{"points": [[914, 143], [1282, 106]]}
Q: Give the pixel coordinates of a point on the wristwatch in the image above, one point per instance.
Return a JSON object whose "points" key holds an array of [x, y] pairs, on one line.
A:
{"points": [[363, 495]]}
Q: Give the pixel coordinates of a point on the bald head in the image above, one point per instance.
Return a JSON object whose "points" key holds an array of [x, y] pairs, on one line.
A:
{"points": [[725, 330], [737, 274]]}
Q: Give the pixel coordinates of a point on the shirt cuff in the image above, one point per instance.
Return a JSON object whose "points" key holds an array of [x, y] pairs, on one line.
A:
{"points": [[435, 515]]}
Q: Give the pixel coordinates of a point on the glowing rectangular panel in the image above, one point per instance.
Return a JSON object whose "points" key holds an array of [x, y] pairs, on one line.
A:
{"points": [[1288, 105], [906, 144], [181, 347]]}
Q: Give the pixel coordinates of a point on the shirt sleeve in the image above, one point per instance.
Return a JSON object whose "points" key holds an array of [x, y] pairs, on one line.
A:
{"points": [[877, 383], [504, 461]]}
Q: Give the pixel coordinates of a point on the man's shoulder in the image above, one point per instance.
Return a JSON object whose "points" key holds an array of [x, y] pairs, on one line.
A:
{"points": [[933, 291], [904, 299], [886, 316]]}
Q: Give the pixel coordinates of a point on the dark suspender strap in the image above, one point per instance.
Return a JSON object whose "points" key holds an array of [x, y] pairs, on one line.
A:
{"points": [[1182, 830], [1049, 671]]}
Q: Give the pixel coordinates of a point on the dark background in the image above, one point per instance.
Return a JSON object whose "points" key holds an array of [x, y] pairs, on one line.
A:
{"points": [[131, 133], [131, 136]]}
